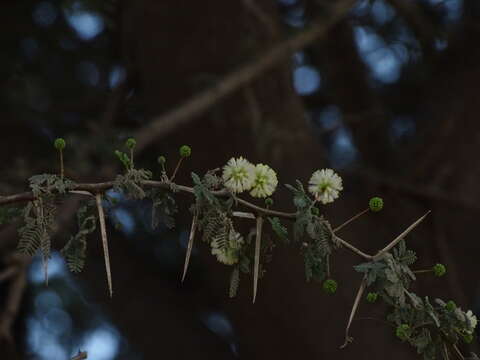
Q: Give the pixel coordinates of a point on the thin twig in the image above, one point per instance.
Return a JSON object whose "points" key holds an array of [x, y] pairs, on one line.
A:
{"points": [[360, 291], [62, 170], [422, 271], [354, 249], [399, 237], [190, 245], [103, 231], [176, 168], [132, 166], [338, 228], [258, 243]]}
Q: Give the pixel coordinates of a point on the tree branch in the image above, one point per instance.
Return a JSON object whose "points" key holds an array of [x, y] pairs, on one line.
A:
{"points": [[200, 103], [103, 231], [400, 237], [103, 186]]}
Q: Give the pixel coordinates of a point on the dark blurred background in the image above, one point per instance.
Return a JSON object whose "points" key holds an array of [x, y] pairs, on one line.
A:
{"points": [[388, 96]]}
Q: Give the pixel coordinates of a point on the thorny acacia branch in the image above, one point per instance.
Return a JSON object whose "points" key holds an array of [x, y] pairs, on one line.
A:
{"points": [[95, 188]]}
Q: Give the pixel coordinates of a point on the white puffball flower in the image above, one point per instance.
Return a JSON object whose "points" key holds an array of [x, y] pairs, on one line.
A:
{"points": [[325, 185], [228, 251], [238, 175], [265, 181], [472, 320]]}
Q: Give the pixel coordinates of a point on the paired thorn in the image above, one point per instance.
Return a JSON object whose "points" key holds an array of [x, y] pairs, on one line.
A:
{"points": [[103, 231], [338, 228], [190, 245], [400, 237], [363, 285], [258, 242], [45, 269]]}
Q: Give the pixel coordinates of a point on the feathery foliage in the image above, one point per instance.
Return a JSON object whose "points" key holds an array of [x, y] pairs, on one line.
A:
{"points": [[131, 183], [74, 250]]}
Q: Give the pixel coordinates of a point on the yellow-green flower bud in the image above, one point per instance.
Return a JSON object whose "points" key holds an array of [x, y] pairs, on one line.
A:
{"points": [[185, 151], [130, 143], [375, 204], [439, 270], [372, 297], [59, 144], [162, 160]]}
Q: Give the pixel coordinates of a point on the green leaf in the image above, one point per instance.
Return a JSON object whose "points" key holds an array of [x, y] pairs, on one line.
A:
{"points": [[300, 199], [202, 193], [279, 229], [163, 208], [75, 249]]}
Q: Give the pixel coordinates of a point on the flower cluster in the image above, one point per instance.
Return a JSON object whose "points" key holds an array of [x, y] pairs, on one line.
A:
{"points": [[325, 185], [240, 175], [228, 252]]}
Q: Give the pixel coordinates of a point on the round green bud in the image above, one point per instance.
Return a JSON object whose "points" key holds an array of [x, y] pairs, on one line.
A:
{"points": [[268, 202], [375, 204], [185, 151], [450, 306], [130, 143], [372, 297], [330, 286], [59, 144], [403, 331], [161, 160], [439, 270], [468, 338], [315, 211]]}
